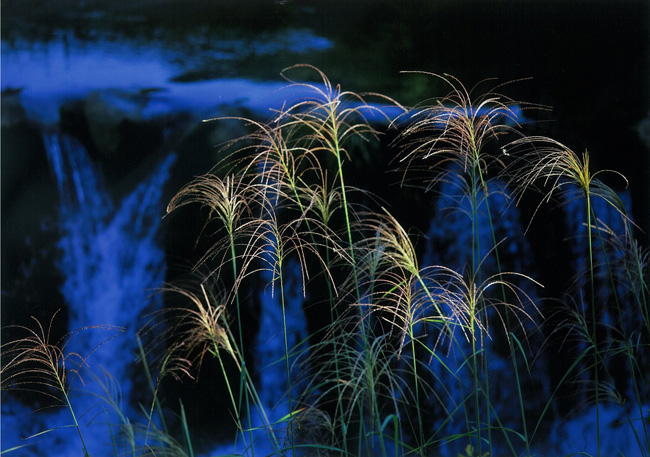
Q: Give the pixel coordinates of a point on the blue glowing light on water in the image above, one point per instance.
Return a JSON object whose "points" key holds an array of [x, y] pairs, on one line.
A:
{"points": [[143, 75]]}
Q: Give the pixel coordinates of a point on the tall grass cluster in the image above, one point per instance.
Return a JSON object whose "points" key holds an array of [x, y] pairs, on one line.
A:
{"points": [[402, 362]]}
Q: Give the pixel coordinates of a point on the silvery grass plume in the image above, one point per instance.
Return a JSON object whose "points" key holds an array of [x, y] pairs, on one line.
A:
{"points": [[327, 123], [321, 198], [228, 201], [539, 160], [300, 135], [275, 177], [201, 329], [329, 120], [455, 129], [273, 161], [225, 198], [392, 276], [273, 241], [412, 294], [34, 363], [455, 290], [265, 156]]}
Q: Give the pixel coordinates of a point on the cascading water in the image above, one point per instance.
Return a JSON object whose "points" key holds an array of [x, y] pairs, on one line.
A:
{"points": [[112, 264]]}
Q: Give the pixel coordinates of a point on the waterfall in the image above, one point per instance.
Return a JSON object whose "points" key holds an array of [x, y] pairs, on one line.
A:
{"points": [[112, 264]]}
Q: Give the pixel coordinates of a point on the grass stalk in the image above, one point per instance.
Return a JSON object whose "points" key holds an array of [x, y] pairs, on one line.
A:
{"points": [[74, 420], [594, 327], [240, 334], [511, 348]]}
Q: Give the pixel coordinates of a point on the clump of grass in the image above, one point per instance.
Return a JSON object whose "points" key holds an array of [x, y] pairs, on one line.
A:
{"points": [[453, 139], [363, 383]]}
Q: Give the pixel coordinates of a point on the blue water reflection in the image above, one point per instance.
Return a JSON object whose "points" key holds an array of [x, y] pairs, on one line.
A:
{"points": [[146, 74]]}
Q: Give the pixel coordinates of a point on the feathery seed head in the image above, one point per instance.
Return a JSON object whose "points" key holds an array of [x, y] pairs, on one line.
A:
{"points": [[34, 363], [455, 129], [544, 160]]}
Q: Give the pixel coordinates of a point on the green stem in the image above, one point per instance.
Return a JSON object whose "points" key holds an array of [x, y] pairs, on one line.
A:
{"points": [[252, 391], [594, 327], [286, 348], [476, 383], [244, 368], [155, 403], [474, 276], [348, 226], [225, 377], [513, 353], [74, 418], [417, 393]]}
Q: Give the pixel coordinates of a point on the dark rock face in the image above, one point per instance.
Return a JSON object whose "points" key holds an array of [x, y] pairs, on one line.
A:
{"points": [[13, 112], [106, 112]]}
